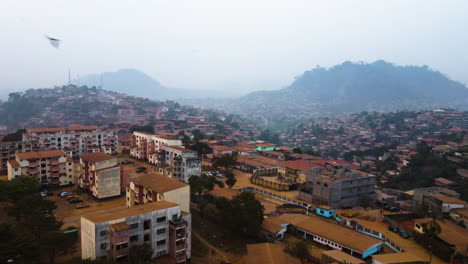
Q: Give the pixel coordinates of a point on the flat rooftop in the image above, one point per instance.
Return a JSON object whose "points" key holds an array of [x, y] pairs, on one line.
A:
{"points": [[123, 212], [158, 182], [333, 232]]}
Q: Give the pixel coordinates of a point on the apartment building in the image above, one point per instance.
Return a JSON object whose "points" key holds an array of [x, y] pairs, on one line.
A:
{"points": [[50, 167], [155, 187], [74, 140], [110, 234], [9, 149], [101, 174], [178, 162], [338, 187], [168, 155], [144, 145]]}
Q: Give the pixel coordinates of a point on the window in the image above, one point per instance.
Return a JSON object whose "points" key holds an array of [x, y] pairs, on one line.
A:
{"points": [[161, 231], [161, 253], [16, 169], [146, 224], [135, 225], [121, 246], [146, 237], [161, 219], [103, 245], [104, 232], [161, 242], [134, 238]]}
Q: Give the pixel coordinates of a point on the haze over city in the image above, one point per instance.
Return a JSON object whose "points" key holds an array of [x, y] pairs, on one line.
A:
{"points": [[225, 46]]}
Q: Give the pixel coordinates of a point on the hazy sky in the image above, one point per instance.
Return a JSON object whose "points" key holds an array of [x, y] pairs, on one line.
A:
{"points": [[217, 44]]}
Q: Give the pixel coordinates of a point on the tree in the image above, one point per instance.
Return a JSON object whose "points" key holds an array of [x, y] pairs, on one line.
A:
{"points": [[145, 128], [226, 161], [297, 150], [200, 147], [16, 136], [231, 179], [298, 249], [265, 135], [243, 213], [18, 188], [275, 139], [140, 254], [201, 184], [37, 235]]}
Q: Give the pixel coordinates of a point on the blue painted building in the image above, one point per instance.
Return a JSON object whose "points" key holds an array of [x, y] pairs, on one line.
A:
{"points": [[325, 211]]}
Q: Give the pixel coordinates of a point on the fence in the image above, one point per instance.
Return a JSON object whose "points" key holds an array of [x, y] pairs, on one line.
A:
{"points": [[276, 196], [376, 234]]}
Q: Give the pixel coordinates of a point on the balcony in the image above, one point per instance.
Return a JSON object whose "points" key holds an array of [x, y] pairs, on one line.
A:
{"points": [[180, 258], [55, 174], [54, 161], [33, 170], [54, 181]]}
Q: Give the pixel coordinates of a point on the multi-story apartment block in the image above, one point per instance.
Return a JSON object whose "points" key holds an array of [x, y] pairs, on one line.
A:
{"points": [[101, 174], [178, 162], [154, 187], [9, 149], [167, 154], [144, 145], [74, 140], [50, 167], [110, 234], [338, 187]]}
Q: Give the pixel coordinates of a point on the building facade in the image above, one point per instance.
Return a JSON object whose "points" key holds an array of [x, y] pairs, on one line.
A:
{"points": [[74, 140], [178, 162], [144, 145], [338, 187], [101, 174], [50, 167], [109, 234], [9, 149], [155, 187], [168, 155]]}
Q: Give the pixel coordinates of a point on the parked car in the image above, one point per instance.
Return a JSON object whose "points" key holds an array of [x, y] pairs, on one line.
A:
{"points": [[74, 201], [393, 229], [82, 206], [71, 198], [140, 169], [63, 194], [220, 175], [43, 194], [126, 162], [403, 234]]}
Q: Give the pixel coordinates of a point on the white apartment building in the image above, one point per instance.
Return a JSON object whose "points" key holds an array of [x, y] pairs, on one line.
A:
{"points": [[74, 140], [109, 234], [144, 145], [50, 167]]}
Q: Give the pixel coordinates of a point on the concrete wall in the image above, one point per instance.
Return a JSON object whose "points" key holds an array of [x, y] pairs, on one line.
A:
{"points": [[88, 238], [107, 183], [179, 196]]}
